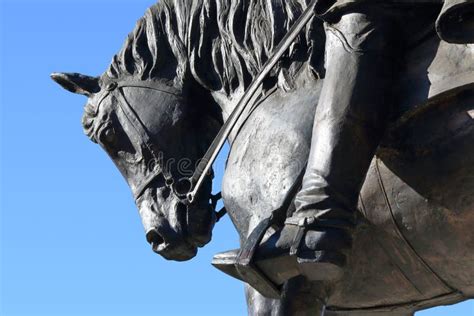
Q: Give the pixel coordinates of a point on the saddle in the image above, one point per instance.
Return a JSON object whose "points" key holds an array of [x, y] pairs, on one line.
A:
{"points": [[265, 263]]}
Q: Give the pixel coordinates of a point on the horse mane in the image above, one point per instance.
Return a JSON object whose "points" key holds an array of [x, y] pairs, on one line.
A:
{"points": [[230, 40], [156, 47], [223, 44]]}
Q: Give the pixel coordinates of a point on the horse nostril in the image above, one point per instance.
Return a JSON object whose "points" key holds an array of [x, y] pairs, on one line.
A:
{"points": [[154, 238]]}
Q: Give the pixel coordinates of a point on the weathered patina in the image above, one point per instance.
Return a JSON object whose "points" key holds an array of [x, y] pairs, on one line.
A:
{"points": [[390, 78]]}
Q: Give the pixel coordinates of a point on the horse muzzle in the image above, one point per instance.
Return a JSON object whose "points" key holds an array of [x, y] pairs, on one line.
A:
{"points": [[175, 229], [177, 250]]}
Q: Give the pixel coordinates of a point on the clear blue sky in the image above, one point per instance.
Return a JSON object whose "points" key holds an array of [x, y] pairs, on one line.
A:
{"points": [[71, 238]]}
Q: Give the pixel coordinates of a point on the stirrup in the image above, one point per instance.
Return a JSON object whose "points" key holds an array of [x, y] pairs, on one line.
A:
{"points": [[240, 263], [324, 265], [309, 222]]}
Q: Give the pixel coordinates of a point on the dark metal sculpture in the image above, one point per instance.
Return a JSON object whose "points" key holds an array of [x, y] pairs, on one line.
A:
{"points": [[306, 93]]}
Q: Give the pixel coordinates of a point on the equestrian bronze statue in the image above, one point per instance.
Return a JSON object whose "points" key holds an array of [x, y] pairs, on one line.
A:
{"points": [[350, 176]]}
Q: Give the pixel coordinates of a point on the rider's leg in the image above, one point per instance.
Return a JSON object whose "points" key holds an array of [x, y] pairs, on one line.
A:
{"points": [[350, 119]]}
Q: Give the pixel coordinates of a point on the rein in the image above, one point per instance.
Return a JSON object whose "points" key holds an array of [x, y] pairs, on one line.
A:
{"points": [[187, 188]]}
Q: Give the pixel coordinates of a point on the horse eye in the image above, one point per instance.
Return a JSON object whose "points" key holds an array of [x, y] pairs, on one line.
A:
{"points": [[109, 136]]}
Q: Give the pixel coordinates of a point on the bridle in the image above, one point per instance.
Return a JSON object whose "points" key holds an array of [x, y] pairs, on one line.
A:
{"points": [[187, 188], [115, 88]]}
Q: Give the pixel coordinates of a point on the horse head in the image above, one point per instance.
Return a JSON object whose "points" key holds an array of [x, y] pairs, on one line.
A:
{"points": [[155, 138]]}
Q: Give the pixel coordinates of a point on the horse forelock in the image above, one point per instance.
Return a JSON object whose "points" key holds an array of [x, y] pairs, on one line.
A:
{"points": [[88, 119]]}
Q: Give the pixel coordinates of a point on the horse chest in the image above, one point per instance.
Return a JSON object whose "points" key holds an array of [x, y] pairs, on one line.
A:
{"points": [[268, 154]]}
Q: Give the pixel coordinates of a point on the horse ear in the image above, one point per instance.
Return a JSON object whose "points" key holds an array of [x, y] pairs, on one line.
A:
{"points": [[77, 83]]}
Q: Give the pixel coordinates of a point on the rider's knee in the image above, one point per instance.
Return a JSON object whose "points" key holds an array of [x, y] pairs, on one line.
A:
{"points": [[366, 31]]}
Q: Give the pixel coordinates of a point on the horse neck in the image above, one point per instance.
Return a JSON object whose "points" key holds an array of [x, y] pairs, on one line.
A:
{"points": [[227, 103]]}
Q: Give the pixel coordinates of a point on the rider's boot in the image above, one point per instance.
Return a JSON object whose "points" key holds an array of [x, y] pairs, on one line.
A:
{"points": [[350, 120]]}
